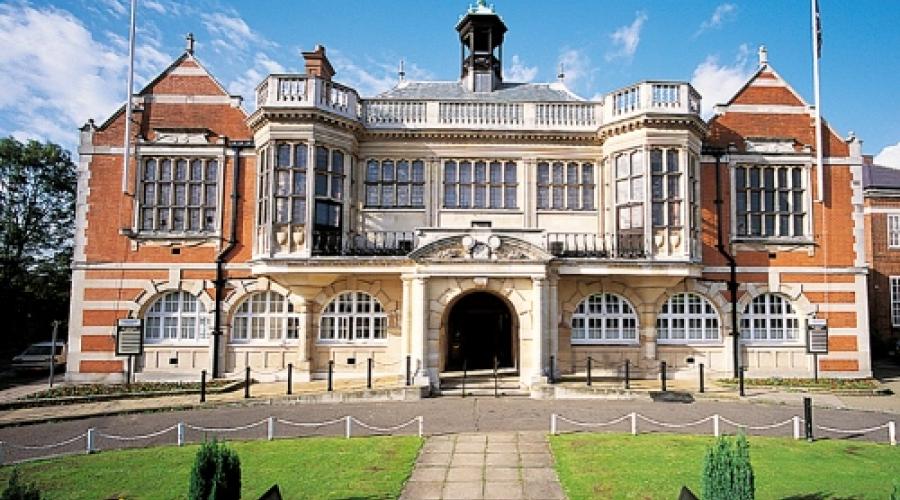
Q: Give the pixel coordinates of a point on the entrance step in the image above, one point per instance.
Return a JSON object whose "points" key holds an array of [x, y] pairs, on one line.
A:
{"points": [[482, 384]]}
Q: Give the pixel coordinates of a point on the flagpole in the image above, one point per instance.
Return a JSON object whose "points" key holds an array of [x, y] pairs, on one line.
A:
{"points": [[126, 155], [816, 30]]}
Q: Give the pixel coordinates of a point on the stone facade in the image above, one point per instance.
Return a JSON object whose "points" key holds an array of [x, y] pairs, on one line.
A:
{"points": [[361, 228]]}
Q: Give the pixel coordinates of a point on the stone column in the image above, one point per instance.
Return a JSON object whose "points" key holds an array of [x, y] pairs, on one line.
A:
{"points": [[536, 363], [553, 320], [303, 365], [425, 371], [648, 336]]}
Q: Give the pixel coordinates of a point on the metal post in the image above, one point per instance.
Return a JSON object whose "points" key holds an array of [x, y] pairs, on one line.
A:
{"points": [[796, 421], [741, 381], [553, 430], [369, 373], [180, 432], [633, 423], [90, 440], [716, 428], [892, 436], [247, 383], [662, 370], [807, 415], [589, 381], [290, 387], [408, 370], [464, 379], [53, 351], [552, 377], [496, 389], [702, 381], [347, 426], [330, 375], [421, 426], [2, 453], [816, 367], [627, 374], [202, 386], [270, 429]]}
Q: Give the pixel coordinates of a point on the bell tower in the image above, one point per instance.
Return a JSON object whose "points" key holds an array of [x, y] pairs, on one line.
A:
{"points": [[481, 33]]}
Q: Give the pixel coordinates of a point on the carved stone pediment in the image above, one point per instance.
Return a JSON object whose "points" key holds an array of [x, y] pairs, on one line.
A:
{"points": [[181, 136], [769, 145], [480, 247]]}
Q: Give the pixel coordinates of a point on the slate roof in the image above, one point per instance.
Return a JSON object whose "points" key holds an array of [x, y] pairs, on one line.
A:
{"points": [[879, 177], [507, 92]]}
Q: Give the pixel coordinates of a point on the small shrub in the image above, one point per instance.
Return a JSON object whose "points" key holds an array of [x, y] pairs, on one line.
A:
{"points": [[216, 474], [16, 490], [727, 473], [895, 495]]}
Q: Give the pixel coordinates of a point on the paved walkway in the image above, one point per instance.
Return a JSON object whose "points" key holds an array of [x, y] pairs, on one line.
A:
{"points": [[474, 466]]}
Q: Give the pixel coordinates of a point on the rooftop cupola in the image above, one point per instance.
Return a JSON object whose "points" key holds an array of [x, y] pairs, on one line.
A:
{"points": [[481, 33]]}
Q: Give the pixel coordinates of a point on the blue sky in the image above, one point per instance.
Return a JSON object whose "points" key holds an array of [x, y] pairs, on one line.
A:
{"points": [[65, 61]]}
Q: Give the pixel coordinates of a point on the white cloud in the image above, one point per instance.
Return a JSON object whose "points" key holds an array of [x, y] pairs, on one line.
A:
{"points": [[232, 30], [519, 72], [115, 7], [722, 14], [371, 77], [576, 66], [889, 156], [717, 83], [626, 39], [245, 84], [55, 75], [155, 6]]}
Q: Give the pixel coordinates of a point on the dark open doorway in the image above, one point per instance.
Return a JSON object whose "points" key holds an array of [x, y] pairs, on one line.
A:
{"points": [[479, 328]]}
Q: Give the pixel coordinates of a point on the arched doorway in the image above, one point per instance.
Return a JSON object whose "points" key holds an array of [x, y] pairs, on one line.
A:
{"points": [[479, 327]]}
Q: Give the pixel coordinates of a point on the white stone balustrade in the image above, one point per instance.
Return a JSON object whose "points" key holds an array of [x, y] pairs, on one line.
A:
{"points": [[302, 91]]}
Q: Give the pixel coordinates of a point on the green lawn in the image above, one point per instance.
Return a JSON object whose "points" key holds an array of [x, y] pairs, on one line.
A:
{"points": [[362, 468], [652, 466]]}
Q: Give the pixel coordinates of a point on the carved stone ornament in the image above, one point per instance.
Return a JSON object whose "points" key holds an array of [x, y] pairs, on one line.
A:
{"points": [[480, 248], [769, 145], [181, 136]]}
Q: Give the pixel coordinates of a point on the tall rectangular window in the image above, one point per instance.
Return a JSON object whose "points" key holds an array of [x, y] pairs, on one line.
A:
{"points": [[178, 195], [290, 183], [769, 201], [565, 186], [395, 184], [895, 300], [665, 187], [480, 184], [629, 173], [893, 228]]}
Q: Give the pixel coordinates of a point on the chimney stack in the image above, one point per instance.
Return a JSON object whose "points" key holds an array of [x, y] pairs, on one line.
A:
{"points": [[317, 63]]}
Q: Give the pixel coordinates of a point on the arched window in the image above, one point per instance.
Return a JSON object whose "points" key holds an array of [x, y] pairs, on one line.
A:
{"points": [[265, 316], [353, 317], [769, 318], [687, 317], [604, 318], [175, 317]]}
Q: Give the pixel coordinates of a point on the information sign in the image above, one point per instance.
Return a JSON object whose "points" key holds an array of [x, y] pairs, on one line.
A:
{"points": [[129, 337]]}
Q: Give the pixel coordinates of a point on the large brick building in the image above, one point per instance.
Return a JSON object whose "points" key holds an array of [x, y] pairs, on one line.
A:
{"points": [[881, 188], [459, 223]]}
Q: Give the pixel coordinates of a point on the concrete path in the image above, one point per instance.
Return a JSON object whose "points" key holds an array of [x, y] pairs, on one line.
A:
{"points": [[474, 466]]}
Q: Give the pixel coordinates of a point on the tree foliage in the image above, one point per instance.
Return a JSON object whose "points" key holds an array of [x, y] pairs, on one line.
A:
{"points": [[727, 473], [17, 490], [216, 474], [37, 214]]}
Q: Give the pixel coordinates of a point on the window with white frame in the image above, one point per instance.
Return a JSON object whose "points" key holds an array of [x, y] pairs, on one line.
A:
{"points": [[686, 318], [290, 182], [629, 173], [265, 317], [329, 173], [480, 184], [175, 317], [395, 184], [565, 186], [694, 192], [665, 187], [769, 201], [604, 318], [353, 317], [893, 230], [178, 195], [769, 318], [895, 300]]}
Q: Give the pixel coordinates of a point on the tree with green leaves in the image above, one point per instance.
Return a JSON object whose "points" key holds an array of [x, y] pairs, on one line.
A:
{"points": [[17, 490], [216, 474], [37, 215], [727, 473]]}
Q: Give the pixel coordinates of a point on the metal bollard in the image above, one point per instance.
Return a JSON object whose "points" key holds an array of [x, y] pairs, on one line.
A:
{"points": [[552, 377], [90, 440], [589, 381], [348, 426], [892, 435], [270, 429], [634, 424], [330, 375], [290, 387], [496, 389], [741, 381], [408, 370], [553, 430], [716, 428], [808, 417], [180, 431], [203, 386], [464, 379], [702, 380], [796, 421], [369, 373], [662, 373], [247, 383], [627, 374]]}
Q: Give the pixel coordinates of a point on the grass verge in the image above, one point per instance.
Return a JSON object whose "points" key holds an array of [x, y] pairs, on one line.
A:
{"points": [[651, 466], [326, 468], [806, 383]]}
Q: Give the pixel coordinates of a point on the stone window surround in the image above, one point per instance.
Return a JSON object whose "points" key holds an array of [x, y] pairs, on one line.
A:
{"points": [[805, 163], [892, 221], [585, 191], [199, 315], [787, 315], [506, 186], [242, 310], [375, 315], [711, 314], [627, 314], [410, 184]]}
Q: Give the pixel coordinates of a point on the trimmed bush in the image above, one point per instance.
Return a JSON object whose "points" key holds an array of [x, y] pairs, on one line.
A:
{"points": [[16, 490], [727, 473], [216, 474]]}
